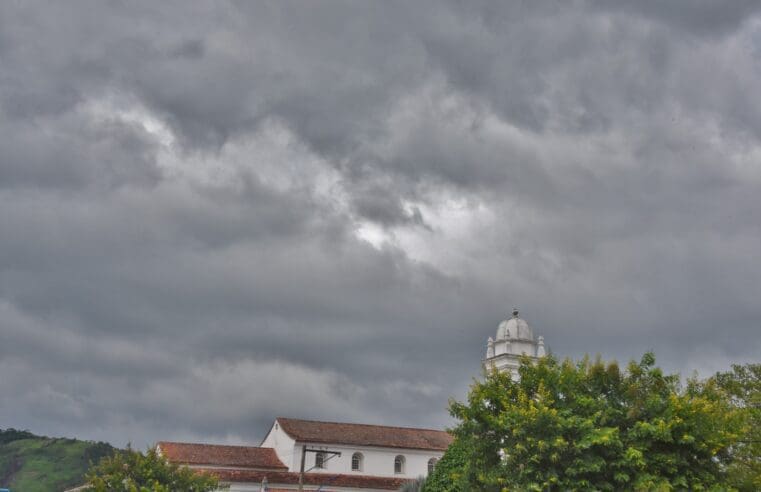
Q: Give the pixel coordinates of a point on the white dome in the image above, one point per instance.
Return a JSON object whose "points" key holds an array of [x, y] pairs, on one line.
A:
{"points": [[514, 328]]}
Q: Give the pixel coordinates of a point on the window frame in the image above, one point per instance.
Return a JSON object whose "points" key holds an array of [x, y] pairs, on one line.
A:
{"points": [[432, 464], [360, 461], [319, 460], [400, 461]]}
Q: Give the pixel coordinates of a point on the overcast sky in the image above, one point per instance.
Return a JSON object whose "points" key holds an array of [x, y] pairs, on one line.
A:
{"points": [[214, 214]]}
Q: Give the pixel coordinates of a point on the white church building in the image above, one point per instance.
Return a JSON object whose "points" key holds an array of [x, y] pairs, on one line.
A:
{"points": [[343, 456], [338, 457]]}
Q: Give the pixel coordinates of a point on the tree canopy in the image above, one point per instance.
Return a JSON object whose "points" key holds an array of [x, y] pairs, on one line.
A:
{"points": [[133, 471], [588, 425], [743, 386]]}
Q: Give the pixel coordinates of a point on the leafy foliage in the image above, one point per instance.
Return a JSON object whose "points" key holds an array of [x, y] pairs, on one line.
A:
{"points": [[449, 474], [413, 485], [590, 426], [11, 434], [133, 471], [743, 387]]}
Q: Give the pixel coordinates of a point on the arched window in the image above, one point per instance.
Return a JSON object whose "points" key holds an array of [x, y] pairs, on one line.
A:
{"points": [[399, 464], [319, 460], [431, 465], [356, 462]]}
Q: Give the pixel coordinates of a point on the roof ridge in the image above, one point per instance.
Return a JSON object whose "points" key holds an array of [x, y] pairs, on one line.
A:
{"points": [[317, 474], [363, 425], [213, 444]]}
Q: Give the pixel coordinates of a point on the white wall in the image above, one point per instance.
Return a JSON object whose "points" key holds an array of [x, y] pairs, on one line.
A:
{"points": [[284, 446], [257, 487], [376, 461]]}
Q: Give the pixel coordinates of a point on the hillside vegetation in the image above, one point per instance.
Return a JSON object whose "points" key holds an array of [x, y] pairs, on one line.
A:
{"points": [[30, 463]]}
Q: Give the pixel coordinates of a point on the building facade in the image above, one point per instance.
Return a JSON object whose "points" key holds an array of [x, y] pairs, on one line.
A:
{"points": [[382, 451], [340, 457]]}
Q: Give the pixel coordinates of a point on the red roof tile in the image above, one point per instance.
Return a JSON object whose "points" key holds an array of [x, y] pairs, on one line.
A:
{"points": [[326, 479], [217, 455], [365, 435]]}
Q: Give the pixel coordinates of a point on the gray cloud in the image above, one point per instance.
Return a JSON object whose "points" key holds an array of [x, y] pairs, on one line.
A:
{"points": [[215, 214]]}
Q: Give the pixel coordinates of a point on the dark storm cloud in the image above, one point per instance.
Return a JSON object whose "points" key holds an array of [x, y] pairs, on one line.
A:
{"points": [[217, 214], [704, 17]]}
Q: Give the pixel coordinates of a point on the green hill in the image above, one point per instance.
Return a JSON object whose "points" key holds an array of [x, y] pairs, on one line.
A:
{"points": [[30, 463]]}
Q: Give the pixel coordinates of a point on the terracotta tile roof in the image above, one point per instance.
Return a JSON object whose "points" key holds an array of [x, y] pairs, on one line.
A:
{"points": [[365, 435], [325, 479], [218, 455]]}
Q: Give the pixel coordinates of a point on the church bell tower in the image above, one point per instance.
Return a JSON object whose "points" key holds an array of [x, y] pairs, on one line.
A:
{"points": [[514, 338]]}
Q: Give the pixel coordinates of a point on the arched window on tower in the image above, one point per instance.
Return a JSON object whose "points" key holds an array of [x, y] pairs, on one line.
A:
{"points": [[356, 462], [399, 464], [319, 460], [431, 465]]}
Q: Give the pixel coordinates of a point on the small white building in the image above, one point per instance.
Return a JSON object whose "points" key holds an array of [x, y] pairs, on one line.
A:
{"points": [[340, 457], [514, 339], [382, 451]]}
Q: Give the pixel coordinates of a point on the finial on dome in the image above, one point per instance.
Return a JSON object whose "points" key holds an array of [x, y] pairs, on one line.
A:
{"points": [[515, 312]]}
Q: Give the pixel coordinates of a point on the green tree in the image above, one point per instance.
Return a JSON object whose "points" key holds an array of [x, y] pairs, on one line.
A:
{"points": [[451, 470], [133, 471], [743, 387], [11, 434], [590, 426], [413, 485]]}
